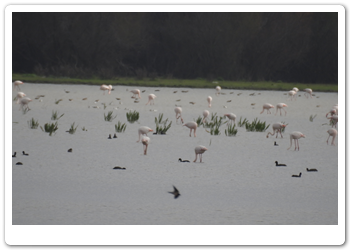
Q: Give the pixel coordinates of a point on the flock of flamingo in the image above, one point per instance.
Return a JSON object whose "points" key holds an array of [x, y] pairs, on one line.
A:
{"points": [[23, 101]]}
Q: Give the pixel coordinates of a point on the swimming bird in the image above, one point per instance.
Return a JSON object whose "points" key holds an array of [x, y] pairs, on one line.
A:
{"points": [[151, 98], [136, 93], [192, 126], [209, 99], [294, 175], [280, 165], [267, 106], [117, 167], [176, 192], [332, 132], [311, 170], [16, 85], [70, 150], [143, 130], [24, 153], [183, 160], [199, 150], [14, 154], [280, 106], [295, 136], [110, 136], [145, 141], [115, 135], [19, 163], [275, 144], [276, 127]]}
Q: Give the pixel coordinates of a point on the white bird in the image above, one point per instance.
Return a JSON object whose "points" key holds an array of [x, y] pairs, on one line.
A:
{"points": [[136, 93], [192, 126], [143, 130], [205, 115], [151, 99], [276, 127], [24, 102], [334, 119], [232, 117], [145, 141], [19, 96], [209, 99], [295, 136], [308, 92], [292, 94], [218, 90], [105, 87], [280, 106], [16, 85], [267, 106], [199, 150], [295, 89], [332, 132], [178, 111]]}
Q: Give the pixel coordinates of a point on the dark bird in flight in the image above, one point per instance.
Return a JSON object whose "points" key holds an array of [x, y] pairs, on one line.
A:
{"points": [[176, 193]]}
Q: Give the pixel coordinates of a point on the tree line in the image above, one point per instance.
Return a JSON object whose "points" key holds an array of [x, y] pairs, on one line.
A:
{"points": [[289, 47]]}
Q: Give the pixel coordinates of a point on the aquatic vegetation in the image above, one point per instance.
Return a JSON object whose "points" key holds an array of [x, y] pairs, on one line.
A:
{"points": [[58, 101], [120, 128], [84, 129], [33, 124], [109, 117], [256, 126], [312, 117], [215, 130], [132, 116], [199, 121], [161, 126], [25, 110], [231, 130], [72, 128], [242, 123], [50, 128], [55, 116], [215, 121]]}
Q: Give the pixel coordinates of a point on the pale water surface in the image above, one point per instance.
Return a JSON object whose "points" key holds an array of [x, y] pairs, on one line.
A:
{"points": [[237, 183]]}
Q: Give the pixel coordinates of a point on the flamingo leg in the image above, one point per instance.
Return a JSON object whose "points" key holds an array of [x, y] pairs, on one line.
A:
{"points": [[195, 159], [200, 157]]}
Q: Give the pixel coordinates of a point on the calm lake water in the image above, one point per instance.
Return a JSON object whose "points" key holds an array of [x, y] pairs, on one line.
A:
{"points": [[236, 184]]}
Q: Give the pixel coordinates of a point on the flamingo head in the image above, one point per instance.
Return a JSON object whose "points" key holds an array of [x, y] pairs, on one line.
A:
{"points": [[284, 125], [302, 135]]}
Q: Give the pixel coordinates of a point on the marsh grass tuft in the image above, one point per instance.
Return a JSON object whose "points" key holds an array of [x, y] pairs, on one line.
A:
{"points": [[58, 101], [199, 121], [215, 121], [215, 130], [161, 126], [120, 128], [72, 128], [132, 116], [50, 128], [256, 126], [109, 117], [33, 124], [231, 130], [55, 116], [242, 123], [312, 117], [24, 111], [84, 129]]}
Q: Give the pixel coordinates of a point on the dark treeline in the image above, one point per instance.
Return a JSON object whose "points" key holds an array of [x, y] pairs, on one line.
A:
{"points": [[290, 47]]}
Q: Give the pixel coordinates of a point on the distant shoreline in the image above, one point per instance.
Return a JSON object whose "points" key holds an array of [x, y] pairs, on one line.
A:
{"points": [[177, 83]]}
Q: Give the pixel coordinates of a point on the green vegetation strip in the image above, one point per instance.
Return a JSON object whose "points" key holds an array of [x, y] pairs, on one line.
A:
{"points": [[177, 83]]}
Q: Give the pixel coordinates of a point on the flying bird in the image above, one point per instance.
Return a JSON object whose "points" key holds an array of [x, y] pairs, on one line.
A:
{"points": [[176, 192], [24, 153], [14, 154], [70, 150]]}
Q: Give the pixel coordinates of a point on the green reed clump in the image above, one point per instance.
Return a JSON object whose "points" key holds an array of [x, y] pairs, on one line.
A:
{"points": [[242, 123], [215, 121], [33, 124], [199, 121], [284, 128], [215, 130], [84, 129], [50, 128], [24, 111], [58, 101], [109, 117], [132, 116], [312, 117], [55, 116], [72, 128], [256, 126], [120, 128], [231, 130], [161, 126]]}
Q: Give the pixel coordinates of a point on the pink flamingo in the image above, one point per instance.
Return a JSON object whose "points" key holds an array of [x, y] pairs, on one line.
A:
{"points": [[105, 87], [16, 85], [143, 131], [209, 99], [292, 94], [192, 126], [24, 102], [136, 93], [295, 89], [232, 117], [308, 92], [178, 111], [267, 106], [332, 132], [332, 112], [151, 99], [145, 141], [199, 150], [205, 115], [218, 90], [295, 136], [19, 96], [276, 127], [280, 106], [334, 118]]}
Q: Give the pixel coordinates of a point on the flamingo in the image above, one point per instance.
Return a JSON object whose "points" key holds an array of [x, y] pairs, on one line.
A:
{"points": [[192, 126], [151, 99], [209, 99], [332, 112], [199, 150], [143, 130], [19, 96], [136, 92], [276, 127], [295, 136], [218, 89], [178, 111], [334, 118], [205, 115], [332, 132], [295, 89], [232, 117], [308, 92], [105, 87], [145, 141], [16, 85], [292, 94], [280, 106], [267, 106], [24, 102]]}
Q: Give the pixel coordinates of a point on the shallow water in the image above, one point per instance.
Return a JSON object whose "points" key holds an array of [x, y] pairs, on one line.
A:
{"points": [[237, 183]]}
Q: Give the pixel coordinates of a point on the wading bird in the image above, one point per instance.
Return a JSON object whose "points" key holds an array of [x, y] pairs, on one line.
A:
{"points": [[332, 132], [16, 85], [136, 93], [308, 92], [199, 150], [151, 99], [209, 99], [276, 127], [24, 102], [232, 117], [105, 87], [280, 106], [145, 141], [205, 115], [218, 90], [178, 111], [192, 126], [143, 131], [295, 136], [19, 96], [267, 106]]}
